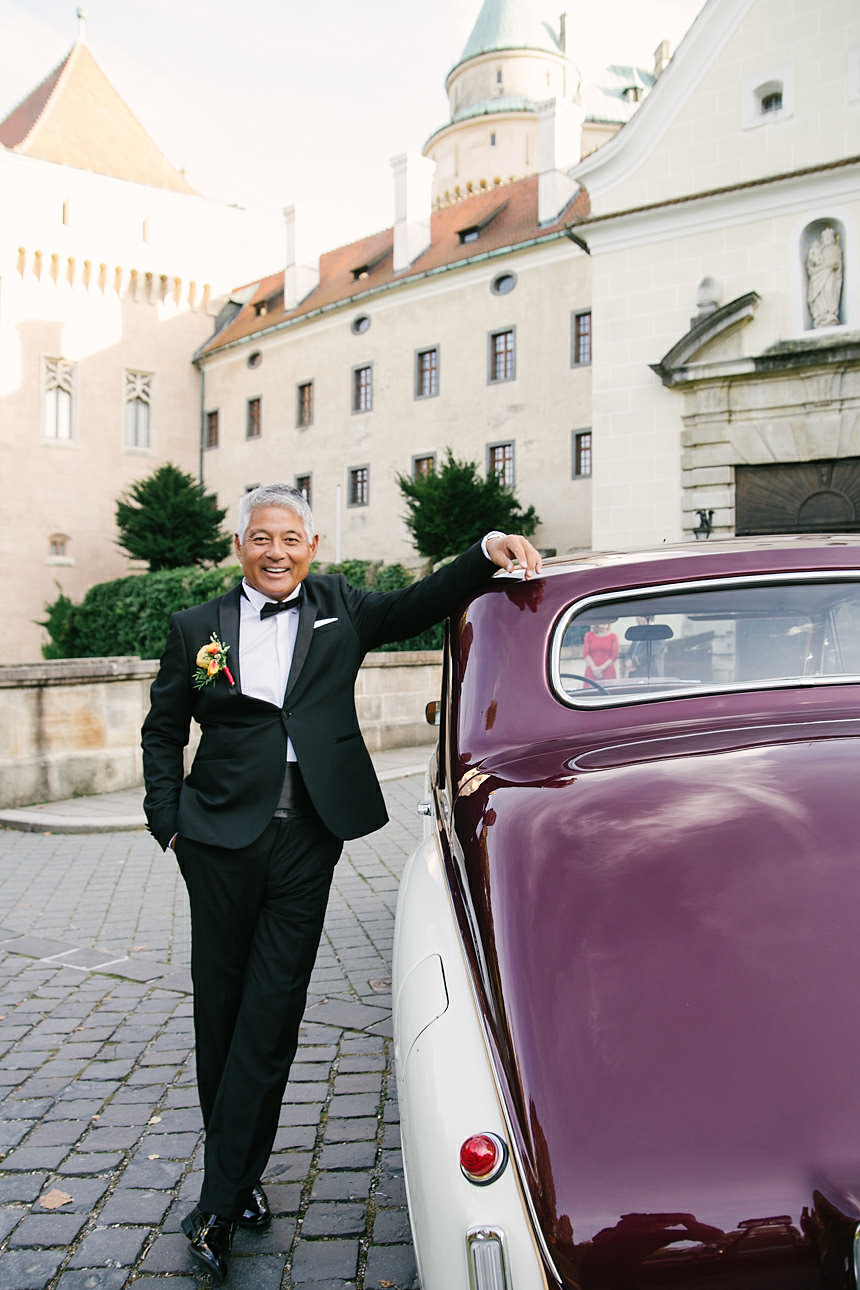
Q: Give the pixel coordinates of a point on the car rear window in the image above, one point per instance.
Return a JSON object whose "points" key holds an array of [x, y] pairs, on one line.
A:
{"points": [[707, 636]]}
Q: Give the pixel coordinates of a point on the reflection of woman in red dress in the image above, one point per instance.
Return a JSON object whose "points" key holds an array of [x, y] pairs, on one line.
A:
{"points": [[599, 651]]}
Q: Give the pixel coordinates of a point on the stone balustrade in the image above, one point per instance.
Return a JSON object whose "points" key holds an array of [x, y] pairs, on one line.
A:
{"points": [[69, 727]]}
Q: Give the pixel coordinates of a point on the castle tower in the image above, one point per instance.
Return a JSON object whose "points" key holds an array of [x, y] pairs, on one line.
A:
{"points": [[520, 104], [514, 60]]}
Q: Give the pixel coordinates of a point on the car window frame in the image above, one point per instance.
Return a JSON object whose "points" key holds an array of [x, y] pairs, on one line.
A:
{"points": [[599, 599]]}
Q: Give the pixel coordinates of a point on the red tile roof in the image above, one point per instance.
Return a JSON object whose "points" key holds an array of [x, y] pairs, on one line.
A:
{"points": [[508, 213], [76, 118]]}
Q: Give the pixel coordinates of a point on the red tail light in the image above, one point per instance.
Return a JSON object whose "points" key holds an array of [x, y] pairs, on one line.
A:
{"points": [[483, 1157]]}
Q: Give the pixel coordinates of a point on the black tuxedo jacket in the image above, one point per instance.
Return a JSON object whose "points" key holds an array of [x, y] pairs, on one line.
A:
{"points": [[235, 781]]}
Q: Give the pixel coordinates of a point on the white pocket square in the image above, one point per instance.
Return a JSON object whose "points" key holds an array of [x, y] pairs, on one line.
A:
{"points": [[321, 622]]}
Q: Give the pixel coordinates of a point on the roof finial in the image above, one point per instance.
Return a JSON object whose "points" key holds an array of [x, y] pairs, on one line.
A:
{"points": [[82, 22]]}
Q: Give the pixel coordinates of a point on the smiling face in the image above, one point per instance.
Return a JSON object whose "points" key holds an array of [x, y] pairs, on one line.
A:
{"points": [[275, 552]]}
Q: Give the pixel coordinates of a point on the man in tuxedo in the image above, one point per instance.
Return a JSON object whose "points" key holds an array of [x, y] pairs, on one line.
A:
{"points": [[281, 777]]}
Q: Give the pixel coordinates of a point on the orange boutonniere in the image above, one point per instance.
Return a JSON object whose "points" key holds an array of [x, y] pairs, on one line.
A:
{"points": [[211, 659]]}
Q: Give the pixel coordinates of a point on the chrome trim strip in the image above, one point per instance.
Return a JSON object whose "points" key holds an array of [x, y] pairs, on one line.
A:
{"points": [[475, 1236], [516, 1159]]}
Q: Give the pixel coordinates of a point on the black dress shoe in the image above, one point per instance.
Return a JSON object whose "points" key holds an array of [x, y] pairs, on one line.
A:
{"points": [[210, 1238], [256, 1213]]}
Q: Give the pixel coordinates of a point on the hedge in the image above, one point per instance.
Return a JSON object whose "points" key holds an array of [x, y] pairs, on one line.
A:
{"points": [[130, 616]]}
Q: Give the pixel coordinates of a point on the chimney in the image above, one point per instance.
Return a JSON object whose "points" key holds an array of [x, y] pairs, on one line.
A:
{"points": [[301, 274], [562, 31], [413, 179], [559, 147], [662, 55]]}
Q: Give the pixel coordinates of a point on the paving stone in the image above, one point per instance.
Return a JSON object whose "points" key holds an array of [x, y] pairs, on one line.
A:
{"points": [[351, 1130], [10, 1215], [94, 1279], [391, 1190], [326, 1219], [391, 1227], [110, 1247], [44, 1229], [391, 1264], [299, 1113], [23, 1187], [277, 1238], [364, 1082], [26, 1159], [263, 1272], [168, 1146], [165, 1283], [288, 1166], [85, 1193], [168, 1253], [109, 1138], [284, 1198], [153, 1173], [316, 1260], [28, 1269], [348, 1155], [12, 1131], [341, 1185], [132, 1205]]}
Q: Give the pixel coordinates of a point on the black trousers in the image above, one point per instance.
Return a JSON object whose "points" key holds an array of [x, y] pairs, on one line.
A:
{"points": [[256, 920]]}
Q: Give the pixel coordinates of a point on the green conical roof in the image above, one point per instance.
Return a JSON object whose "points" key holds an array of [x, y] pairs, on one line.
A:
{"points": [[512, 24]]}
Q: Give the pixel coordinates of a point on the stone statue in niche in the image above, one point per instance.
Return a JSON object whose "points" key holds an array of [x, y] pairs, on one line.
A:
{"points": [[824, 278]]}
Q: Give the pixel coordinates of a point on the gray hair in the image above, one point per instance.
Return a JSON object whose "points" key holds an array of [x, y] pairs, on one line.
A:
{"points": [[275, 495]]}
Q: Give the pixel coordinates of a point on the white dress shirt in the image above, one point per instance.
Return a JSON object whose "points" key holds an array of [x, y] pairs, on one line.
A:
{"points": [[266, 648]]}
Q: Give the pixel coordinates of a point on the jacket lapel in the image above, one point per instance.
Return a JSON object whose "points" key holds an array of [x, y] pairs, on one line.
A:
{"points": [[304, 636], [228, 622]]}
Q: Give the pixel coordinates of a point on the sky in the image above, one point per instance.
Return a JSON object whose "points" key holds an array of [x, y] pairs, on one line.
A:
{"points": [[297, 102]]}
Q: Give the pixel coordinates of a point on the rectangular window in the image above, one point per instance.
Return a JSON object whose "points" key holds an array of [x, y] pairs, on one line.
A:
{"points": [[254, 426], [362, 389], [138, 404], [502, 355], [305, 408], [582, 454], [59, 396], [303, 484], [359, 486], [500, 462], [422, 466], [580, 339], [426, 373], [212, 429]]}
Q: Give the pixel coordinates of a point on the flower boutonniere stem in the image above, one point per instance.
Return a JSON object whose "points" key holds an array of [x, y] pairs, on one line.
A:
{"points": [[211, 659]]}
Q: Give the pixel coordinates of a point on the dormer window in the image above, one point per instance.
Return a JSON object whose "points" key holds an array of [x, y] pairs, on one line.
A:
{"points": [[772, 102], [362, 271], [473, 231]]}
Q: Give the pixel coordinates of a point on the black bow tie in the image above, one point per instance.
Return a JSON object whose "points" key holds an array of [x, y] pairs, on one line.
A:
{"points": [[278, 606]]}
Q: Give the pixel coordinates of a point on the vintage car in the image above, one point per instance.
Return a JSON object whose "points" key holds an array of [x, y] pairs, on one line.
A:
{"points": [[627, 953]]}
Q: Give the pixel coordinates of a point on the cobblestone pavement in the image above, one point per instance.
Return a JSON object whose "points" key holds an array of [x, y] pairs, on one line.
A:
{"points": [[100, 1131]]}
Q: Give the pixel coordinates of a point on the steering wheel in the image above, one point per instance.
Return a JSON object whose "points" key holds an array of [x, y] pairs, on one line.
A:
{"points": [[587, 680]]}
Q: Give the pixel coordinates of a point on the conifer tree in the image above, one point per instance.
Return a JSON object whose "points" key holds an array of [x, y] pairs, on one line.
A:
{"points": [[450, 508], [169, 520]]}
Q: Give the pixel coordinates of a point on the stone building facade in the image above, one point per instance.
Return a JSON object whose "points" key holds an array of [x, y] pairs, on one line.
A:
{"points": [[109, 262], [723, 233]]}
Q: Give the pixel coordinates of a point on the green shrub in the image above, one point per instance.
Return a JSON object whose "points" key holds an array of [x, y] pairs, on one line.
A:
{"points": [[130, 616]]}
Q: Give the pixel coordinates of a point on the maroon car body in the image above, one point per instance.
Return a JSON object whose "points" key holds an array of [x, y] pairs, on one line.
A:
{"points": [[659, 898]]}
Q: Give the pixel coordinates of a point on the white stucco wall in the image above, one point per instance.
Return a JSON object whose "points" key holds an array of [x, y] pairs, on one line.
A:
{"points": [[455, 311]]}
